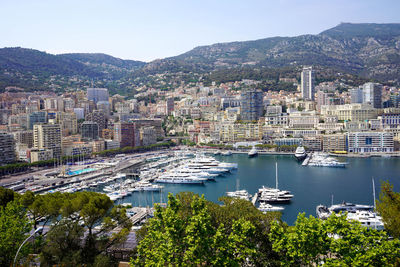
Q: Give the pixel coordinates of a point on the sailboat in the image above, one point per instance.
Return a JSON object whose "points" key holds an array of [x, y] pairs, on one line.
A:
{"points": [[274, 195]]}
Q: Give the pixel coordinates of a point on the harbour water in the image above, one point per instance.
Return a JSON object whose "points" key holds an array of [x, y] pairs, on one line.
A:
{"points": [[311, 186]]}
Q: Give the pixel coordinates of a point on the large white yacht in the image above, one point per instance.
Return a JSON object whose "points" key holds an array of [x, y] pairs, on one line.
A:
{"points": [[253, 152], [324, 212], [176, 178], [300, 153]]}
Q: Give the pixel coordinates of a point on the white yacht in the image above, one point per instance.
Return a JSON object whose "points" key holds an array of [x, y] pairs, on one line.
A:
{"points": [[274, 195], [265, 207], [324, 212], [253, 152], [226, 153], [242, 194], [323, 160], [300, 153]]}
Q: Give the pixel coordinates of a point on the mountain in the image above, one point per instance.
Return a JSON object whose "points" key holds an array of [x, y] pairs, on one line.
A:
{"points": [[103, 60], [367, 49]]}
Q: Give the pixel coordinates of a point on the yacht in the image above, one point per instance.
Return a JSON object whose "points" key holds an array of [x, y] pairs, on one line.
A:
{"points": [[274, 195], [242, 194], [265, 207], [324, 212], [323, 160], [300, 153], [226, 153], [253, 152]]}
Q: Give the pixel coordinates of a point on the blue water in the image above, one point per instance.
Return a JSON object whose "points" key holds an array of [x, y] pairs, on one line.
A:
{"points": [[80, 171], [311, 186]]}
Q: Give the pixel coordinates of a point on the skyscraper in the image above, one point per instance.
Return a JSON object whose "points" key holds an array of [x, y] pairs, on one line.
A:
{"points": [[372, 94], [356, 95], [97, 94], [47, 136], [307, 83], [251, 105], [90, 130], [7, 148], [127, 134]]}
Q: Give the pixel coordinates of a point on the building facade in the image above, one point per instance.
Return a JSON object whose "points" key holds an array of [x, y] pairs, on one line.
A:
{"points": [[252, 107], [307, 84], [47, 136], [7, 148], [362, 142]]}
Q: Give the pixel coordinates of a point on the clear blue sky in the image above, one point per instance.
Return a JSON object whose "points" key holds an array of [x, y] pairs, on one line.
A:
{"points": [[146, 30]]}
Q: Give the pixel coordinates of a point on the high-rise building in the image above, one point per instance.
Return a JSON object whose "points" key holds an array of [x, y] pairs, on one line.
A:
{"points": [[7, 148], [24, 137], [90, 130], [372, 94], [170, 105], [127, 134], [98, 117], [37, 117], [307, 83], [356, 95], [97, 94], [47, 136], [251, 105]]}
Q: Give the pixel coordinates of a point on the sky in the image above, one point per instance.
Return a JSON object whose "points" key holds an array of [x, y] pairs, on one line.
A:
{"points": [[147, 30]]}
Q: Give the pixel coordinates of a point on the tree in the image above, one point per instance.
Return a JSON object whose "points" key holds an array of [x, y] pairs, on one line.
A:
{"points": [[6, 195], [388, 207], [334, 242], [14, 229], [185, 235], [80, 225]]}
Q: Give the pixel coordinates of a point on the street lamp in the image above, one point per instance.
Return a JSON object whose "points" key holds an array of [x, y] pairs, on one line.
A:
{"points": [[40, 229]]}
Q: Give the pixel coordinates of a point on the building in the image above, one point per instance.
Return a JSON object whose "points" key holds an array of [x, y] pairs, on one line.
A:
{"points": [[303, 120], [97, 94], [127, 134], [307, 84], [170, 106], [288, 141], [98, 146], [90, 130], [39, 154], [24, 137], [356, 95], [47, 136], [350, 112], [313, 143], [7, 148], [389, 120], [68, 122], [372, 94], [252, 107], [99, 118], [111, 144], [107, 134], [147, 135], [229, 102], [362, 142], [36, 117], [235, 132], [334, 142]]}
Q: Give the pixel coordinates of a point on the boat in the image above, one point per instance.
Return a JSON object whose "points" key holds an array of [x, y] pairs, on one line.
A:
{"points": [[217, 152], [274, 195], [253, 152], [242, 194], [265, 207], [323, 160], [226, 153], [300, 153]]}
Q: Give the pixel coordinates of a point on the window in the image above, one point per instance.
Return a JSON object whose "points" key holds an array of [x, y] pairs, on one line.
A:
{"points": [[368, 140]]}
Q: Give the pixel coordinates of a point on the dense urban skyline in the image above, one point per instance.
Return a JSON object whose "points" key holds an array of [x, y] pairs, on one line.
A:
{"points": [[145, 31]]}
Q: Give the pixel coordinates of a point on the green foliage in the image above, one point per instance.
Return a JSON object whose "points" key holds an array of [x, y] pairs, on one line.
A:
{"points": [[334, 242], [72, 238], [6, 195], [388, 207], [185, 233], [14, 229]]}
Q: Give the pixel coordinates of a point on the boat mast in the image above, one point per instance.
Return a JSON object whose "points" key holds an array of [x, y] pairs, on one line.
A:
{"points": [[276, 174], [373, 192], [332, 200]]}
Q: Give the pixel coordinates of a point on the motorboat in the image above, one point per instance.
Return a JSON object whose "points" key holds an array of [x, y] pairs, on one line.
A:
{"points": [[242, 194], [226, 153], [323, 160], [253, 152], [265, 207], [300, 153]]}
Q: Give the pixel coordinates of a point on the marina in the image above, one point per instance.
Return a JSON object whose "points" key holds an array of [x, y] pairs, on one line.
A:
{"points": [[301, 189]]}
